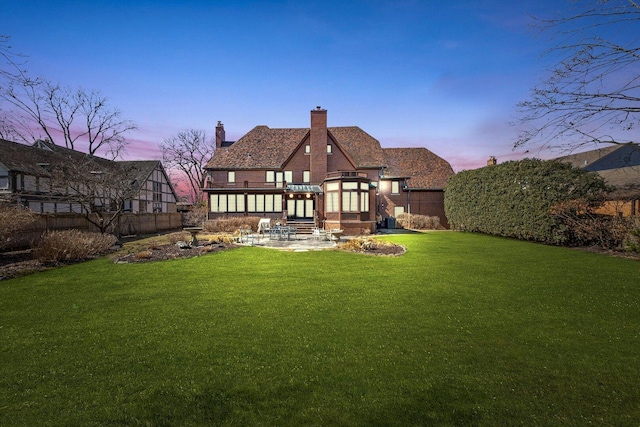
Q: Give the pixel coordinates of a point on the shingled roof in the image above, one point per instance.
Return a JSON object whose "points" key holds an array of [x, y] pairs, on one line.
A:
{"points": [[364, 149], [266, 148], [588, 158], [618, 165], [427, 170], [37, 160], [261, 148]]}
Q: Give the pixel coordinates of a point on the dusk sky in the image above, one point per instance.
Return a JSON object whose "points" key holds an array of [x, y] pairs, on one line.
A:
{"points": [[445, 75]]}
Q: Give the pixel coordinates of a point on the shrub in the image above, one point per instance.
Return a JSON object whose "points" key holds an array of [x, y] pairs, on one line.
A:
{"points": [[418, 222], [13, 218], [143, 255], [518, 199], [585, 228], [72, 245], [364, 244], [220, 238], [229, 225], [632, 239]]}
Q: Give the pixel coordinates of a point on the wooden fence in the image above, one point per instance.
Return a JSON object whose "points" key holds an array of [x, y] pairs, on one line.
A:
{"points": [[128, 224]]}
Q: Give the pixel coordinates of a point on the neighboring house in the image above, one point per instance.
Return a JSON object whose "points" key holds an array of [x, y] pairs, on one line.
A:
{"points": [[619, 166], [332, 177], [29, 175]]}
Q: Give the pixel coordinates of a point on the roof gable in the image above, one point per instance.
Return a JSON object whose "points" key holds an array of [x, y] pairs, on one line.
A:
{"points": [[364, 149], [266, 148], [426, 169], [261, 148]]}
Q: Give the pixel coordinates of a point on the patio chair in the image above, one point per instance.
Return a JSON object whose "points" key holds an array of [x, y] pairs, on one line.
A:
{"points": [[264, 226], [319, 234]]}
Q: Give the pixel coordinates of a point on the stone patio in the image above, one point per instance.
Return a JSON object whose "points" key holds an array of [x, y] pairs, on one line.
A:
{"points": [[300, 243]]}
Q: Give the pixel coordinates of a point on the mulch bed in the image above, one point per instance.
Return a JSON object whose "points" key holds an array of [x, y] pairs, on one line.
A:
{"points": [[171, 251]]}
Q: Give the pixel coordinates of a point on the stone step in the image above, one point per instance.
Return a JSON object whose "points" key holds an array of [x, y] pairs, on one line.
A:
{"points": [[303, 227]]}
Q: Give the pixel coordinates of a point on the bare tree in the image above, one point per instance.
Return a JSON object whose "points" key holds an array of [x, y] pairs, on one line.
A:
{"points": [[11, 70], [12, 62], [68, 117], [189, 152], [593, 93], [99, 186]]}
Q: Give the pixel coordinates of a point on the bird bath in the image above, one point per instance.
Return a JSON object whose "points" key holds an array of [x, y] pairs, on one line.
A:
{"points": [[194, 232], [335, 234]]}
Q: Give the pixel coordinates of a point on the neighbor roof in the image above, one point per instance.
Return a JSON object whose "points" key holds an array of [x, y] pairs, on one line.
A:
{"points": [[589, 159], [35, 160], [618, 165], [426, 169]]}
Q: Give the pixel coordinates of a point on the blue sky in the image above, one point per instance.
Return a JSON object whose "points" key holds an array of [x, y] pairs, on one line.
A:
{"points": [[434, 74]]}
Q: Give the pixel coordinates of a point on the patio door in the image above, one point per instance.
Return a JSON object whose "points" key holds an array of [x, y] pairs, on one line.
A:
{"points": [[300, 208]]}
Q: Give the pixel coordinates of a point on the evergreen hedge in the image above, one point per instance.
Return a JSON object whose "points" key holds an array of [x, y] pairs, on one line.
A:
{"points": [[520, 199]]}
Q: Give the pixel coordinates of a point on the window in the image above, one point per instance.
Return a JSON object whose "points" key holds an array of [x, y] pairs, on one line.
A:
{"points": [[288, 176], [157, 193], [395, 187], [350, 201], [307, 149], [332, 202], [306, 176], [226, 203], [277, 177], [329, 149], [231, 177], [4, 179], [333, 186], [349, 185], [364, 202], [350, 197], [331, 198]]}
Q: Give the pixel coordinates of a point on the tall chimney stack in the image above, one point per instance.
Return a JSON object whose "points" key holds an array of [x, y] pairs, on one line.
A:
{"points": [[318, 142], [220, 135]]}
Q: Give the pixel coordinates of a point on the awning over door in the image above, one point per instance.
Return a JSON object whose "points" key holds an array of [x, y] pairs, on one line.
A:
{"points": [[302, 188]]}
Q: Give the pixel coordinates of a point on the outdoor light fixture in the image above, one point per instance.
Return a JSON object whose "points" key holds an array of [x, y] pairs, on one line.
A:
{"points": [[290, 196], [308, 196]]}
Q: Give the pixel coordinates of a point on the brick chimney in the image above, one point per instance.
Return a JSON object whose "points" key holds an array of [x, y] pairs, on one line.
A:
{"points": [[220, 135], [492, 161], [318, 141]]}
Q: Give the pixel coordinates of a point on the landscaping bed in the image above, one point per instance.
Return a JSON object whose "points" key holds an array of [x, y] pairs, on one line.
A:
{"points": [[168, 247]]}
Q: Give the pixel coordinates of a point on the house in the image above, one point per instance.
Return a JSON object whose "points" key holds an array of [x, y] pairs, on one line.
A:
{"points": [[331, 177], [619, 166], [32, 175]]}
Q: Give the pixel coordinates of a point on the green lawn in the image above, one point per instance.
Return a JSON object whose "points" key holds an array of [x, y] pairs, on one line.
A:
{"points": [[461, 330]]}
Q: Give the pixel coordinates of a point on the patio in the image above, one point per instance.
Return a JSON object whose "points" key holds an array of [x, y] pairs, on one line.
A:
{"points": [[300, 243]]}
